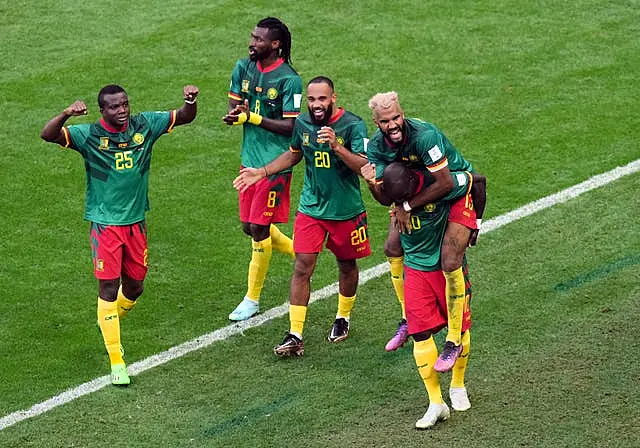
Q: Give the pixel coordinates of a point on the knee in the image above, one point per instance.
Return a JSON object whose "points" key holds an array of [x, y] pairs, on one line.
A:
{"points": [[422, 336], [302, 270], [132, 290], [246, 228], [451, 263], [259, 232], [109, 289]]}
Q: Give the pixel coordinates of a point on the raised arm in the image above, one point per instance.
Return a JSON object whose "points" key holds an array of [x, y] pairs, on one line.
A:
{"points": [[52, 131], [187, 113]]}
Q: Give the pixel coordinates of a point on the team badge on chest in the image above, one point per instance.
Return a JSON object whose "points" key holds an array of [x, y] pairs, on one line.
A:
{"points": [[138, 138]]}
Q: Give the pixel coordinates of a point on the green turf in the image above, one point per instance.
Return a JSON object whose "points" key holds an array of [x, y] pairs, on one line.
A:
{"points": [[538, 95]]}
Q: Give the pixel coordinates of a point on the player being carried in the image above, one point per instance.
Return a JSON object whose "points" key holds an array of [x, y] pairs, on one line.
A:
{"points": [[424, 147]]}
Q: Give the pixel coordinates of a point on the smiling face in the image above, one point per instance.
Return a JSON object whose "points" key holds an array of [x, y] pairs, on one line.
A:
{"points": [[321, 100], [260, 45], [390, 121], [115, 109]]}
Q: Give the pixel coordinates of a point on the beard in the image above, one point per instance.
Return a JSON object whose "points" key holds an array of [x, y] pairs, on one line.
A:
{"points": [[328, 112]]}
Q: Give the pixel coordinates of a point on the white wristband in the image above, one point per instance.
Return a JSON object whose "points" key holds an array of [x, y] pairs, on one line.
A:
{"points": [[406, 206], [478, 223]]}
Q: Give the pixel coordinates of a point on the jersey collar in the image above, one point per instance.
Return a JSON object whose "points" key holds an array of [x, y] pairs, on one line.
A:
{"points": [[335, 117], [270, 68], [111, 129]]}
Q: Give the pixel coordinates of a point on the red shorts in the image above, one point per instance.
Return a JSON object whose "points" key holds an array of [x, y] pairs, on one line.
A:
{"points": [[266, 201], [425, 301], [347, 239], [462, 212], [119, 249]]}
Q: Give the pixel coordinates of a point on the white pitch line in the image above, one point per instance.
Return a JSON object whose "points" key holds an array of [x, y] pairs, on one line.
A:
{"points": [[279, 311]]}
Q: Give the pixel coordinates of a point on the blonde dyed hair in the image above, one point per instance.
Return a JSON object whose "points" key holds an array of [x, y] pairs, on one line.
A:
{"points": [[382, 101]]}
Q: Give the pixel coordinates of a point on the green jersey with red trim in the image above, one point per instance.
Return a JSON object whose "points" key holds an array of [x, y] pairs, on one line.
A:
{"points": [[273, 92], [117, 165], [424, 148], [331, 189], [428, 224]]}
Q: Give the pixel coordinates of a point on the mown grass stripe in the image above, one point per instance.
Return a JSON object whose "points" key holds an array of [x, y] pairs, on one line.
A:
{"points": [[279, 311]]}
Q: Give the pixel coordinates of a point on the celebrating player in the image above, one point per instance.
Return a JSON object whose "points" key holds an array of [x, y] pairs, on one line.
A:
{"points": [[117, 154], [264, 98], [423, 146], [332, 142], [424, 285]]}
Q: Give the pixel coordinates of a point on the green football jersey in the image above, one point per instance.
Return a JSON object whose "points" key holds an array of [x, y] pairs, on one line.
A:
{"points": [[425, 148], [428, 224], [273, 92], [422, 246], [117, 165], [331, 189]]}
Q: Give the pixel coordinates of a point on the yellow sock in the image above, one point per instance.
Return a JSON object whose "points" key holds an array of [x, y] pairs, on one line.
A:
{"points": [[459, 368], [124, 305], [397, 279], [110, 328], [426, 353], [297, 316], [260, 258], [281, 242], [345, 305], [455, 304]]}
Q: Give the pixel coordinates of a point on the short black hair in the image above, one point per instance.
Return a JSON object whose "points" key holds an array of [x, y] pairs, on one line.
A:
{"points": [[321, 80], [278, 31], [109, 89], [398, 181]]}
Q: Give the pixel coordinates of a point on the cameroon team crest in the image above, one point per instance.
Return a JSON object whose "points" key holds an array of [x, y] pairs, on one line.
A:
{"points": [[430, 208], [104, 143], [138, 138], [272, 93], [340, 140]]}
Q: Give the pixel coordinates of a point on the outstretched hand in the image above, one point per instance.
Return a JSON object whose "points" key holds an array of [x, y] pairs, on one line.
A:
{"points": [[76, 109], [248, 177]]}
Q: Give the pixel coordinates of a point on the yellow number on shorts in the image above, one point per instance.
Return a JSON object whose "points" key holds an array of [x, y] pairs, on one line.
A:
{"points": [[468, 202], [146, 257], [359, 236], [271, 200], [124, 161], [415, 222], [322, 159], [256, 110]]}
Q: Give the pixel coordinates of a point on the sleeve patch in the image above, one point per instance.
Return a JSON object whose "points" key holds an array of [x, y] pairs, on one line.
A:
{"points": [[366, 143], [297, 100], [435, 153], [461, 178]]}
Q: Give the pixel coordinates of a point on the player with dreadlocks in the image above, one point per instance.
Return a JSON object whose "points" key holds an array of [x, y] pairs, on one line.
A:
{"points": [[264, 98]]}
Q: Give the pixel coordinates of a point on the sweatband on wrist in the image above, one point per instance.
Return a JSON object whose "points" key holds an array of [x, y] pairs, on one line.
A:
{"points": [[255, 119], [242, 117], [193, 101], [406, 206]]}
